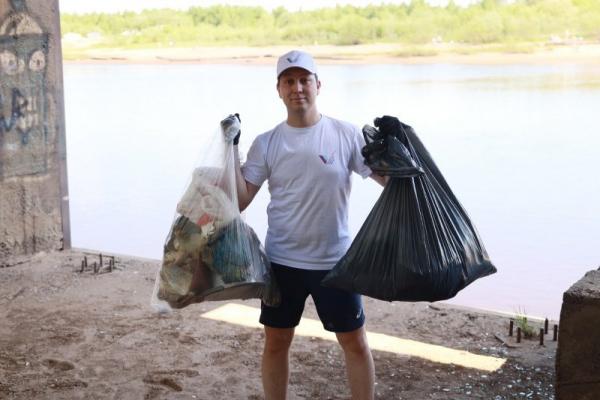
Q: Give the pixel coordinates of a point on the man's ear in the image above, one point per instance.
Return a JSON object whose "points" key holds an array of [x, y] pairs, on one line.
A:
{"points": [[318, 86]]}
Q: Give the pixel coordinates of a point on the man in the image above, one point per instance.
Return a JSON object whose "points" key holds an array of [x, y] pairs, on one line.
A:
{"points": [[308, 160]]}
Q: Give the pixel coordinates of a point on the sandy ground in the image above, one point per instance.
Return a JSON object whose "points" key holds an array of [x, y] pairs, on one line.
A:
{"points": [[66, 334], [588, 53]]}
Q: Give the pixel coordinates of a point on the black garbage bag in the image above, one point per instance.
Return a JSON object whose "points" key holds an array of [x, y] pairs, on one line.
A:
{"points": [[388, 155], [418, 243]]}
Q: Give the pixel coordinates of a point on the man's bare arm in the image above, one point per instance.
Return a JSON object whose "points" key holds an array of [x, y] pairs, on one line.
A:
{"points": [[245, 190]]}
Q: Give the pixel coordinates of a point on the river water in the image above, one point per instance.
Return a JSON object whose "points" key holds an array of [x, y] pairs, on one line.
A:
{"points": [[518, 144]]}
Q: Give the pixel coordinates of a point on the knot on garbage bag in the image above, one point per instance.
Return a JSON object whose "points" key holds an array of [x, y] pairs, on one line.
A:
{"points": [[388, 150]]}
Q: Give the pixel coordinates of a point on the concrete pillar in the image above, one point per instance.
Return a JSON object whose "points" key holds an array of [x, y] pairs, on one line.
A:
{"points": [[34, 213], [578, 354]]}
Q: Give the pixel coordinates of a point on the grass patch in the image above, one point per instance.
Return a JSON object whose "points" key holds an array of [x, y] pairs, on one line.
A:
{"points": [[523, 322]]}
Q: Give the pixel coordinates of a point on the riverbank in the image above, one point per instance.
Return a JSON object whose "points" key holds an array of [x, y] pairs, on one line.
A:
{"points": [[588, 53], [67, 334]]}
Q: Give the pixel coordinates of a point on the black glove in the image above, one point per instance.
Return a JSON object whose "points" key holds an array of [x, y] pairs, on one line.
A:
{"points": [[236, 139], [388, 125], [230, 127], [392, 126]]}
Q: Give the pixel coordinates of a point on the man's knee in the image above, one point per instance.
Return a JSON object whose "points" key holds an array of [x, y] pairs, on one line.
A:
{"points": [[354, 342], [278, 340]]}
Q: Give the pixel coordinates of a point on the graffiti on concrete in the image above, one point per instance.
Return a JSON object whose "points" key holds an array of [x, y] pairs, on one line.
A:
{"points": [[23, 94]]}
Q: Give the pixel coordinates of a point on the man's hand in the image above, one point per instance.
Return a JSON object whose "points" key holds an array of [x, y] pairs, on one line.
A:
{"points": [[382, 180], [230, 127]]}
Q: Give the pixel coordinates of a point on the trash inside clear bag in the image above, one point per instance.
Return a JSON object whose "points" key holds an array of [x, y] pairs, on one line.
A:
{"points": [[210, 253]]}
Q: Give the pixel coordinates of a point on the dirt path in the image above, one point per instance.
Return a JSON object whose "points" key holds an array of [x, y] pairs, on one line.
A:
{"points": [[71, 335]]}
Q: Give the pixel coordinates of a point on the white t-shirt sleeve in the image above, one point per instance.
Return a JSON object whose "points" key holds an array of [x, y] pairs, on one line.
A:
{"points": [[255, 168], [357, 161]]}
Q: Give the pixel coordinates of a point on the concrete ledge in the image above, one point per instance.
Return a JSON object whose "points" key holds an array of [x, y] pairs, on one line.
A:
{"points": [[578, 354]]}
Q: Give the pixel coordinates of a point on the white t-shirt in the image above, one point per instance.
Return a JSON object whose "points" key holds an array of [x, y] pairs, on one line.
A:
{"points": [[309, 171]]}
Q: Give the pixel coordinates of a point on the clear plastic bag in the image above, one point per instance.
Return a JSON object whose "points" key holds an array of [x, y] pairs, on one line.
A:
{"points": [[417, 243], [210, 252]]}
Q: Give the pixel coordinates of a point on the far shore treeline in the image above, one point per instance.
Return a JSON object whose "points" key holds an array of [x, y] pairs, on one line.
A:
{"points": [[416, 23]]}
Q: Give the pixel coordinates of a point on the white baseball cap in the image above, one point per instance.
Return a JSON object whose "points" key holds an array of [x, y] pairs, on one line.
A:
{"points": [[296, 58]]}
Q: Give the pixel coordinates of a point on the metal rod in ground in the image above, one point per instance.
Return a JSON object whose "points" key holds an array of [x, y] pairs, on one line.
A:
{"points": [[95, 267], [546, 325], [541, 336], [101, 263], [511, 325], [82, 266], [85, 261], [518, 335], [110, 265], [555, 336]]}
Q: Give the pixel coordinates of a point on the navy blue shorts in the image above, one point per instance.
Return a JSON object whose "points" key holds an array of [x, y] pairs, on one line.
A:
{"points": [[339, 311]]}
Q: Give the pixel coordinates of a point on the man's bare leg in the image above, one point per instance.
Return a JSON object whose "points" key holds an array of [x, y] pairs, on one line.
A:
{"points": [[275, 362], [359, 363]]}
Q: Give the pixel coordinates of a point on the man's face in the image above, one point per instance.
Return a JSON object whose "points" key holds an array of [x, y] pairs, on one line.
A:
{"points": [[298, 89]]}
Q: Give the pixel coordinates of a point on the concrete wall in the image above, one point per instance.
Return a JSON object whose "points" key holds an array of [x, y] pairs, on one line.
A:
{"points": [[33, 186], [578, 355]]}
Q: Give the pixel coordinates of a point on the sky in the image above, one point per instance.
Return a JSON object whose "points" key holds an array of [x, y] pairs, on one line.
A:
{"points": [[86, 6]]}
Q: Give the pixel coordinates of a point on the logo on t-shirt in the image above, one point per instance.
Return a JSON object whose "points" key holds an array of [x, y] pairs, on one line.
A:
{"points": [[327, 160]]}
